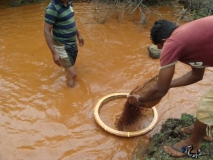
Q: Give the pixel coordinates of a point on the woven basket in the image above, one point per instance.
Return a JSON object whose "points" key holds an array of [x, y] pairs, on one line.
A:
{"points": [[141, 90], [131, 113]]}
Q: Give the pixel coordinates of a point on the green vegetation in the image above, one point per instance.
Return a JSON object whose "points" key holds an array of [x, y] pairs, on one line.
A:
{"points": [[192, 9]]}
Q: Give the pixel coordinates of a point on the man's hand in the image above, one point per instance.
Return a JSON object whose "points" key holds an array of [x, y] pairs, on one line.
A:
{"points": [[57, 59], [80, 40], [134, 100]]}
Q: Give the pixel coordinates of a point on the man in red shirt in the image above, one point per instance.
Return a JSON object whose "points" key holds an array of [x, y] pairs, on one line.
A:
{"points": [[192, 44]]}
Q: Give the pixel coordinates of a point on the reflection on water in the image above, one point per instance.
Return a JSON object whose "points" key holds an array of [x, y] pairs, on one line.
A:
{"points": [[40, 118]]}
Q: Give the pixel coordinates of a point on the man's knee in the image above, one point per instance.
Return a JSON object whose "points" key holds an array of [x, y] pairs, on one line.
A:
{"points": [[71, 73]]}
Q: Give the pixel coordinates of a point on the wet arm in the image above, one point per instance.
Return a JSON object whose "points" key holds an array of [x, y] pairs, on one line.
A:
{"points": [[158, 91], [195, 75], [49, 40], [165, 82], [48, 37], [79, 37], [78, 33]]}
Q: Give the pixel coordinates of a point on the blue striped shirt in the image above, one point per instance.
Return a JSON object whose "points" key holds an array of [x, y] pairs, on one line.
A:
{"points": [[62, 19]]}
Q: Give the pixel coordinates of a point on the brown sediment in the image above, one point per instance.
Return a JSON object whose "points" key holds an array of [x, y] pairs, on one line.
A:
{"points": [[131, 113]]}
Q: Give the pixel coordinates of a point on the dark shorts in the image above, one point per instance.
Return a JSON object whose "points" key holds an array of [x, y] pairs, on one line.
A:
{"points": [[68, 54]]}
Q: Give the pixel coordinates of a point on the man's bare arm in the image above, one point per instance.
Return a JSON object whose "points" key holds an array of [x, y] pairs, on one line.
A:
{"points": [[80, 39], [195, 75], [164, 83], [47, 34], [158, 91]]}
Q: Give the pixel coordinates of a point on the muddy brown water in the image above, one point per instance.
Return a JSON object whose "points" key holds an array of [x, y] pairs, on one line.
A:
{"points": [[40, 118]]}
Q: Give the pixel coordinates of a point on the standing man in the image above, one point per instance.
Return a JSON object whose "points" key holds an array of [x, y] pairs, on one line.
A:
{"points": [[60, 33], [192, 44]]}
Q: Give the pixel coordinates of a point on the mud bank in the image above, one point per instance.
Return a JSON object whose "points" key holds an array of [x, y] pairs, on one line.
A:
{"points": [[169, 134]]}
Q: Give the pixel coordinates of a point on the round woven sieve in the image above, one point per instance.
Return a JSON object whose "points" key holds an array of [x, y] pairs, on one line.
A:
{"points": [[117, 132]]}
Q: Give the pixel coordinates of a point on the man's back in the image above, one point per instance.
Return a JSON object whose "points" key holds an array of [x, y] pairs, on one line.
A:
{"points": [[191, 44]]}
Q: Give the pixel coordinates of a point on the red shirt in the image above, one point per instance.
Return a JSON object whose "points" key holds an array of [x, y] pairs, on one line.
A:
{"points": [[191, 43]]}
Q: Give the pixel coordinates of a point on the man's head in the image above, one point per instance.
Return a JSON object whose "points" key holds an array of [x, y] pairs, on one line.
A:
{"points": [[161, 30]]}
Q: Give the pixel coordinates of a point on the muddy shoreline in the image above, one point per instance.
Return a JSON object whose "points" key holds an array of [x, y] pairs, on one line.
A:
{"points": [[170, 133]]}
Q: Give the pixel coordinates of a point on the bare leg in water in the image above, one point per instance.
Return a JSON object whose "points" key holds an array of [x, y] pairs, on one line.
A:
{"points": [[71, 73], [195, 140]]}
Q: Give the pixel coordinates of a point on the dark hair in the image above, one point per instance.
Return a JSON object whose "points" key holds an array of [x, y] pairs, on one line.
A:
{"points": [[161, 29]]}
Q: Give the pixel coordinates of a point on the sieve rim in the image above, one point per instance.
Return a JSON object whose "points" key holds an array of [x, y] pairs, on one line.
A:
{"points": [[117, 132]]}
